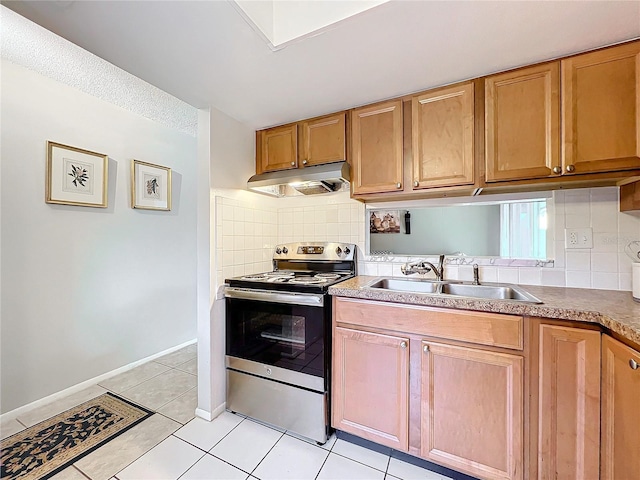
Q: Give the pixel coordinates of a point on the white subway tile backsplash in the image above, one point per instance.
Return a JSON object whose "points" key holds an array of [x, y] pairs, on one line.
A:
{"points": [[629, 223], [308, 232], [451, 272], [553, 277], [529, 275], [344, 215], [605, 242], [227, 242], [508, 275], [572, 220], [369, 268], [601, 218], [624, 263], [488, 274], [578, 260], [604, 281], [385, 269], [578, 279], [604, 262], [559, 254], [625, 281], [238, 214]]}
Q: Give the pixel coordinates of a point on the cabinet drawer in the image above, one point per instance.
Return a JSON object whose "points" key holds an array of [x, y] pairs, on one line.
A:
{"points": [[492, 329]]}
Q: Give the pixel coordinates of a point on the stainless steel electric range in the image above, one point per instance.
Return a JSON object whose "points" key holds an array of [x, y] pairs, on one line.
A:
{"points": [[278, 337]]}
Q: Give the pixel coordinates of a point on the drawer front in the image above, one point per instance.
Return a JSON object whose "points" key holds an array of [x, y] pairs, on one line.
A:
{"points": [[492, 329]]}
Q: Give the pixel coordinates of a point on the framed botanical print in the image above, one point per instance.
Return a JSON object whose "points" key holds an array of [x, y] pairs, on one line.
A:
{"points": [[76, 176], [150, 186]]}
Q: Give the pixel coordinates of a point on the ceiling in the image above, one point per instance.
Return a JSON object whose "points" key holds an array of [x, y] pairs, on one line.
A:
{"points": [[206, 54]]}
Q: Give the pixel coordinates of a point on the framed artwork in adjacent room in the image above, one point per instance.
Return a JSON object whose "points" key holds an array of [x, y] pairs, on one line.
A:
{"points": [[76, 176], [150, 186]]}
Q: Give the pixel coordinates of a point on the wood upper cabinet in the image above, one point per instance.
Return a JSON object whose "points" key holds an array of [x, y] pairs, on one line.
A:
{"points": [[601, 110], [277, 148], [442, 136], [522, 129], [377, 148], [303, 144], [620, 447], [472, 410], [323, 140], [371, 386], [568, 403]]}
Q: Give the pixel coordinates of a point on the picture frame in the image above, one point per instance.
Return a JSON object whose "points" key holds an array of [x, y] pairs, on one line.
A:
{"points": [[385, 221], [150, 186], [75, 176]]}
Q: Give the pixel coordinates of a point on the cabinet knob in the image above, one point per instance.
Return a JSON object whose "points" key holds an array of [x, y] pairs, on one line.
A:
{"points": [[416, 183], [304, 162], [398, 185], [571, 168], [557, 169], [425, 349], [403, 344], [293, 164], [633, 364]]}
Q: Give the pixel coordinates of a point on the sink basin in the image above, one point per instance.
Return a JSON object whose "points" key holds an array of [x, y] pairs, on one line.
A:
{"points": [[498, 292], [408, 285], [432, 287]]}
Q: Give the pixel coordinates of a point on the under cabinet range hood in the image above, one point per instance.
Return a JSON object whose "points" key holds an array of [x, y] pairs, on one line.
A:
{"points": [[327, 178]]}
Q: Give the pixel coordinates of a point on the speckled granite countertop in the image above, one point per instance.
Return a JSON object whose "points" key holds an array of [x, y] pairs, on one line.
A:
{"points": [[612, 309]]}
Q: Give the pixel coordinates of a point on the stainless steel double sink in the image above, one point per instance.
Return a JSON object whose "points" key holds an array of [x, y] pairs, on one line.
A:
{"points": [[489, 291]]}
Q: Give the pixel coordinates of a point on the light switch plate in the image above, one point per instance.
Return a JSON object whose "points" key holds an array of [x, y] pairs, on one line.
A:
{"points": [[578, 238]]}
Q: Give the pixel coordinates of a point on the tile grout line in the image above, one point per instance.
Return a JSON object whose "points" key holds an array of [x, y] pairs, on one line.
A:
{"points": [[80, 471], [272, 447], [361, 463]]}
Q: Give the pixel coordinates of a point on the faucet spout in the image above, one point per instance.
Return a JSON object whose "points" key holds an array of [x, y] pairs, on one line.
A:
{"points": [[423, 267]]}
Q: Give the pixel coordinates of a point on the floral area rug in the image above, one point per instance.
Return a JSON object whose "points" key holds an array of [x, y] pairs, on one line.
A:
{"points": [[48, 447]]}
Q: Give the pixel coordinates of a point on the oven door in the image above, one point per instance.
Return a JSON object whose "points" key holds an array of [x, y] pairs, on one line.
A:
{"points": [[281, 329]]}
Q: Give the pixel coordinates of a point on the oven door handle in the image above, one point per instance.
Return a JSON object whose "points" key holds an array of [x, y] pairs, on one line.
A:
{"points": [[306, 299]]}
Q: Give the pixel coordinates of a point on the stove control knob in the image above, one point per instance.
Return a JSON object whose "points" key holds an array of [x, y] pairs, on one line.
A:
{"points": [[278, 251], [347, 250], [285, 250], [338, 251]]}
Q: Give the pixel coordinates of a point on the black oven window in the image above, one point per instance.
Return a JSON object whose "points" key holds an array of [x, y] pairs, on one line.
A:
{"points": [[287, 336]]}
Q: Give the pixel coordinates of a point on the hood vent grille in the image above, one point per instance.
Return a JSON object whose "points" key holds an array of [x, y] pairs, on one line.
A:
{"points": [[318, 179]]}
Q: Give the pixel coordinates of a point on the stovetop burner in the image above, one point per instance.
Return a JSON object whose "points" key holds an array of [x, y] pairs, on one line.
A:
{"points": [[303, 267]]}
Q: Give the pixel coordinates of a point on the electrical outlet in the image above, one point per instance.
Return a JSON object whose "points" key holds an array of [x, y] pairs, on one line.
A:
{"points": [[578, 238]]}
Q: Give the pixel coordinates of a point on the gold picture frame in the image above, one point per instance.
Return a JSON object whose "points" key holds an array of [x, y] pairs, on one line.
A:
{"points": [[75, 176], [150, 186]]}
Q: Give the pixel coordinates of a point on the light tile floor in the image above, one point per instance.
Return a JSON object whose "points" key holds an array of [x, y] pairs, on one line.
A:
{"points": [[174, 445]]}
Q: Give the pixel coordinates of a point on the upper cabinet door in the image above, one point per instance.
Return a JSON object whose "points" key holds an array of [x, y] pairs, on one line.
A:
{"points": [[279, 148], [522, 123], [443, 137], [601, 110], [322, 140], [377, 148]]}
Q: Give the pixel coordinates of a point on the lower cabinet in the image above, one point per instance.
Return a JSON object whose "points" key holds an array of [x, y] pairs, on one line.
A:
{"points": [[472, 410], [568, 403], [559, 402], [371, 386], [620, 448]]}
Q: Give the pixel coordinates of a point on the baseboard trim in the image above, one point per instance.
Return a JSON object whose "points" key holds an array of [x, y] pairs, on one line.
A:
{"points": [[208, 416], [12, 414]]}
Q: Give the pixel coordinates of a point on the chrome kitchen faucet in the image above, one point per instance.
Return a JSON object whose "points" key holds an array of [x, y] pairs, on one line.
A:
{"points": [[423, 267]]}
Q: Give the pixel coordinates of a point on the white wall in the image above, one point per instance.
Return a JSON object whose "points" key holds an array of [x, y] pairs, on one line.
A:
{"points": [[228, 149], [88, 290]]}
